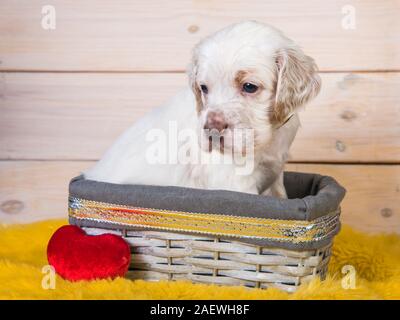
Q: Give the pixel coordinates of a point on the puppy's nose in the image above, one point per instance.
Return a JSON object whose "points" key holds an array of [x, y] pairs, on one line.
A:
{"points": [[215, 120]]}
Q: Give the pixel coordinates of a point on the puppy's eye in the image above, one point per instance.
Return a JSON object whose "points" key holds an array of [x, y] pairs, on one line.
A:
{"points": [[249, 87], [204, 88]]}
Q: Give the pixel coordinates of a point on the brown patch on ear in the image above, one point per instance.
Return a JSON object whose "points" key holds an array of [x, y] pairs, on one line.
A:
{"points": [[296, 82]]}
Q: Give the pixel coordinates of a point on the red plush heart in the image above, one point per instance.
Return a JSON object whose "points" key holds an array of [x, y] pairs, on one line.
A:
{"points": [[78, 256]]}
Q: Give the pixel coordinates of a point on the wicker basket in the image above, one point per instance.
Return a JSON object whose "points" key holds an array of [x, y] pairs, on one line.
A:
{"points": [[214, 248], [173, 256]]}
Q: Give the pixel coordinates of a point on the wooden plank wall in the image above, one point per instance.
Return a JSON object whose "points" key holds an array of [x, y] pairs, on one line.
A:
{"points": [[66, 94]]}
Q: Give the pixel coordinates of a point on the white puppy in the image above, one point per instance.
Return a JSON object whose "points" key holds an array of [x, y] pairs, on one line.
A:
{"points": [[247, 78]]}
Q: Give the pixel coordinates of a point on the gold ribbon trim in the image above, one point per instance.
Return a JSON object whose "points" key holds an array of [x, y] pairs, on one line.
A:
{"points": [[294, 231]]}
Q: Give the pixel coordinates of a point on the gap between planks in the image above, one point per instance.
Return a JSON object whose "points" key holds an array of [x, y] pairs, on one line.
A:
{"points": [[356, 162], [173, 71]]}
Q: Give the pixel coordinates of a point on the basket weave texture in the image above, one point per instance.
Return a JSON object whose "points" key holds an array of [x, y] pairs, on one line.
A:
{"points": [[172, 256]]}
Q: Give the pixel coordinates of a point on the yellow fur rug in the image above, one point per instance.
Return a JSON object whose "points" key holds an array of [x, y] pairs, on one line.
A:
{"points": [[376, 260]]}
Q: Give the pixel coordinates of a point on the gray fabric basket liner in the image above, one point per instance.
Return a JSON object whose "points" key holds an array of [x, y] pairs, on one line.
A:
{"points": [[310, 196]]}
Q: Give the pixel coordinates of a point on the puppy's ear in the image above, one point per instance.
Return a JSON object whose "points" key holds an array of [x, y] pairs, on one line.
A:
{"points": [[296, 82], [192, 74]]}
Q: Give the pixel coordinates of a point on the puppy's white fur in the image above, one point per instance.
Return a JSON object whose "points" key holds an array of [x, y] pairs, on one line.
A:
{"points": [[248, 52]]}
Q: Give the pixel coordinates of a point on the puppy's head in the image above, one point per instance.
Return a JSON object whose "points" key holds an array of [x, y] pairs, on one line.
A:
{"points": [[249, 76]]}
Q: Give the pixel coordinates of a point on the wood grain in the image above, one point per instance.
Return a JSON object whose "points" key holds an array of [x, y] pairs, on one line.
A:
{"points": [[40, 187], [356, 117], [158, 35]]}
